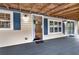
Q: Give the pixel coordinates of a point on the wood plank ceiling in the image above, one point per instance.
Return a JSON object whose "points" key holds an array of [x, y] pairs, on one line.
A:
{"points": [[63, 10]]}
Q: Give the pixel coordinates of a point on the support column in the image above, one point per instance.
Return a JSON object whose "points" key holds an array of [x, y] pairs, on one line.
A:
{"points": [[76, 28]]}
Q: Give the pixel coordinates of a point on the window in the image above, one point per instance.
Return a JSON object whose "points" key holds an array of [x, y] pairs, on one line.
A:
{"points": [[4, 20], [51, 23], [59, 29], [56, 29], [59, 23], [55, 23], [51, 26], [51, 29], [54, 26]]}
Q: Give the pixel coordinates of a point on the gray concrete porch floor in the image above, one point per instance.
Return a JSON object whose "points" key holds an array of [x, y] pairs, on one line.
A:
{"points": [[60, 46]]}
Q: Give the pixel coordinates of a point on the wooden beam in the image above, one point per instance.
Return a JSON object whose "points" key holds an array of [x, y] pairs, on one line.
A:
{"points": [[31, 8], [37, 7], [48, 8], [13, 5], [44, 6], [73, 15], [6, 5], [27, 6], [72, 12], [68, 10], [2, 5], [70, 16], [63, 7], [55, 9]]}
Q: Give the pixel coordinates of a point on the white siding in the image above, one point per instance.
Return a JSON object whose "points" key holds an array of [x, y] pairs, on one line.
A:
{"points": [[12, 37]]}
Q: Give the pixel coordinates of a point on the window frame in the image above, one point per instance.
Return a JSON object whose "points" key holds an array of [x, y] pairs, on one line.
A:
{"points": [[11, 19], [54, 26]]}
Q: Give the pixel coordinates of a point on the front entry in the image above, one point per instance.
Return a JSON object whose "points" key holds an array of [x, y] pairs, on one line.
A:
{"points": [[38, 27], [70, 28]]}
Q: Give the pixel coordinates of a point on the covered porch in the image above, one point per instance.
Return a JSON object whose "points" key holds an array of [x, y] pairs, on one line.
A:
{"points": [[60, 46]]}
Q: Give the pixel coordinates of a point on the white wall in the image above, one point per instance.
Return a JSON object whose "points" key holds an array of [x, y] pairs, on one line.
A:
{"points": [[12, 37]]}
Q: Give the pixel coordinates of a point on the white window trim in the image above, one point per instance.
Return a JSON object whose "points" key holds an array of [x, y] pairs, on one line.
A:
{"points": [[11, 19], [54, 26]]}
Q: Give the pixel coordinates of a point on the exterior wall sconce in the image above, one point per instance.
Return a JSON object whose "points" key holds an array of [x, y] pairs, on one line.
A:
{"points": [[25, 18]]}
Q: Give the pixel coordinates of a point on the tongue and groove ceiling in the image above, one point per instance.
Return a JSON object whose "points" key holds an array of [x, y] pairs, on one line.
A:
{"points": [[60, 10]]}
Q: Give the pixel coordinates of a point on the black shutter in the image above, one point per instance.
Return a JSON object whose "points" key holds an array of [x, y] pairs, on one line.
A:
{"points": [[16, 21], [45, 26]]}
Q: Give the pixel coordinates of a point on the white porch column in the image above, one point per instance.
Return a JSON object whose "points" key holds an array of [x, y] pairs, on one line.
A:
{"points": [[76, 28]]}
